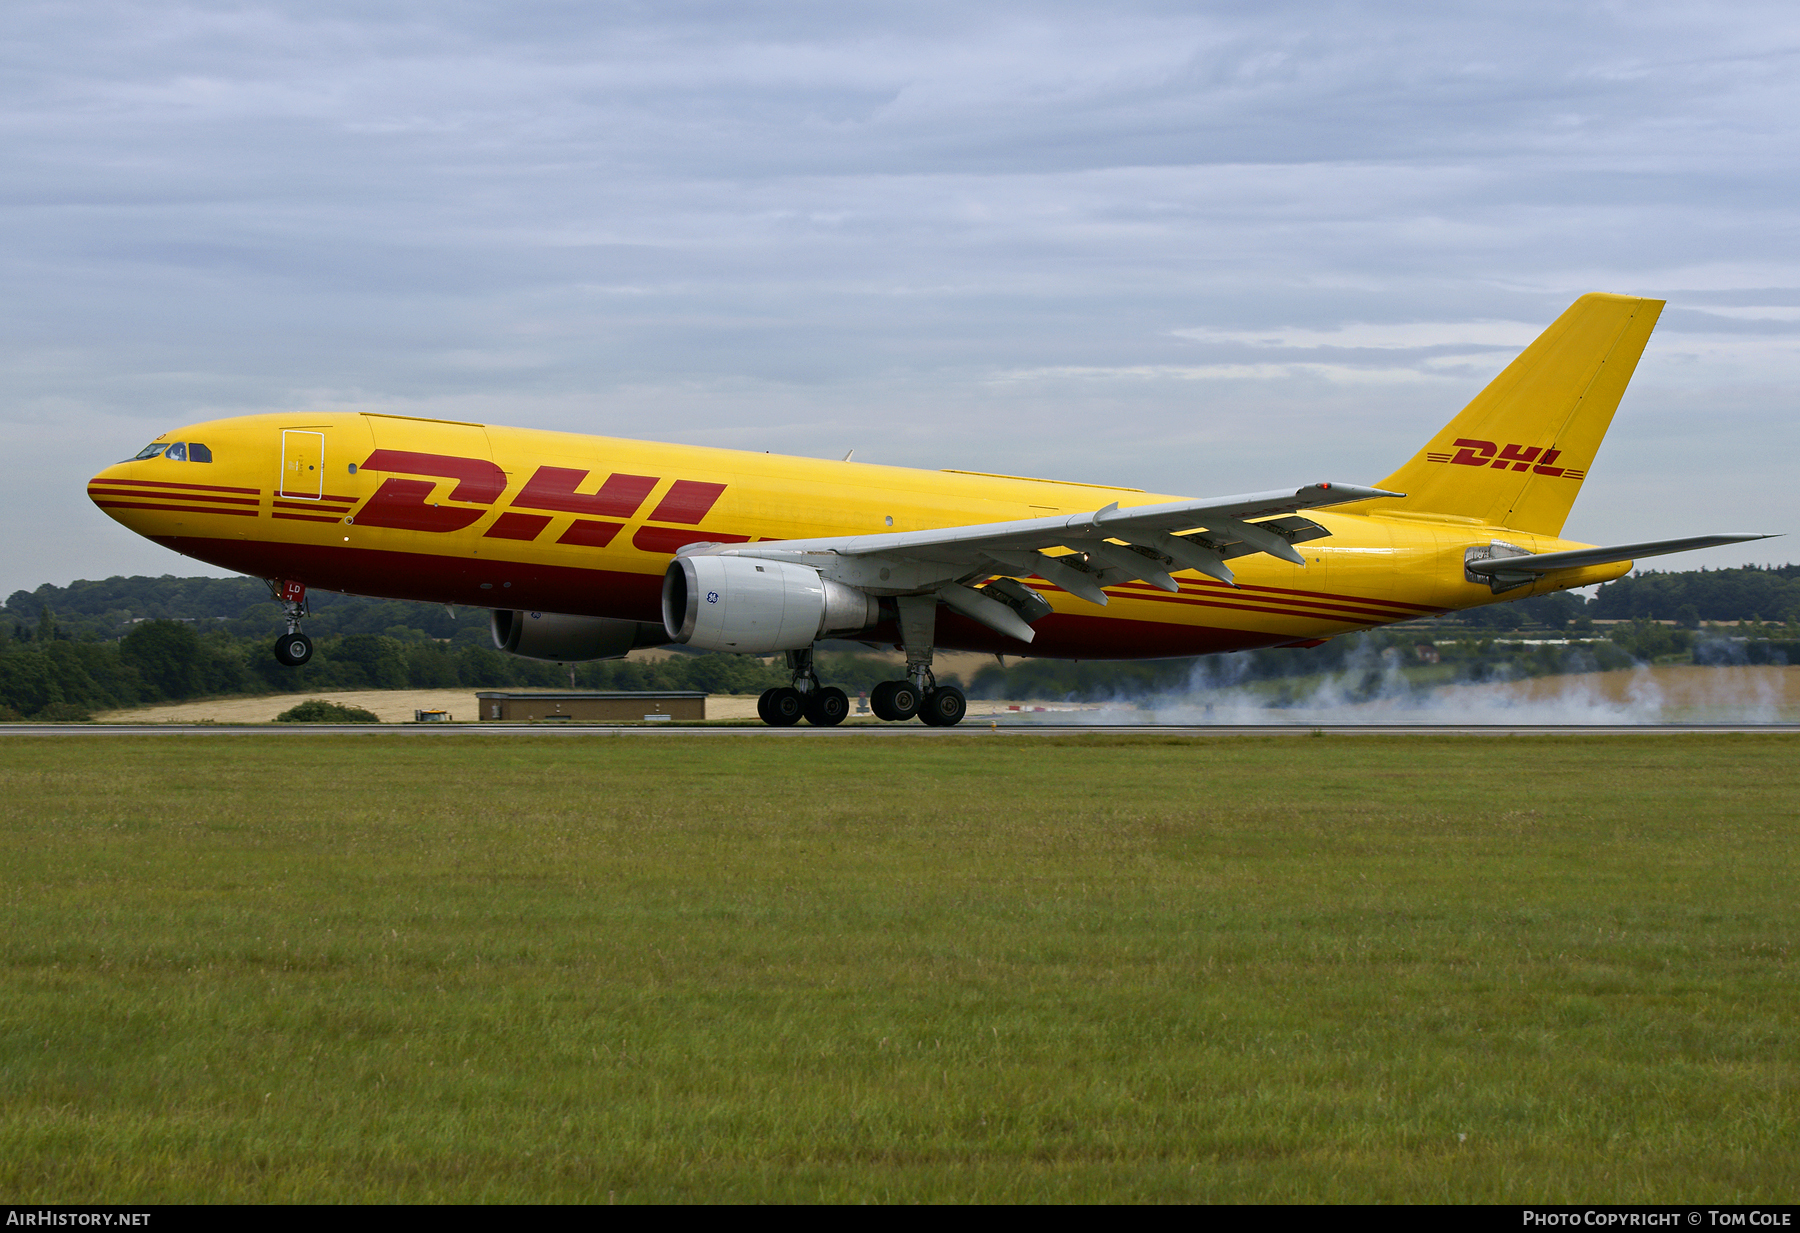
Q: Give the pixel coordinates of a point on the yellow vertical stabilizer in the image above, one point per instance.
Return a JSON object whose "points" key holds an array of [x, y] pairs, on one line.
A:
{"points": [[1517, 454]]}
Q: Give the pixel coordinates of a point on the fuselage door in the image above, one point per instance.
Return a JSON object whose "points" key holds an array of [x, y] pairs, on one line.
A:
{"points": [[302, 463]]}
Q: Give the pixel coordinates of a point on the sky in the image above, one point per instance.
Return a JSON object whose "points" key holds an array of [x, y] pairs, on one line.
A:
{"points": [[1193, 249]]}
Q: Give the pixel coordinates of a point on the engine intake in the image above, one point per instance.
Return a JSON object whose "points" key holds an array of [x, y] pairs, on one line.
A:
{"points": [[742, 604], [570, 639]]}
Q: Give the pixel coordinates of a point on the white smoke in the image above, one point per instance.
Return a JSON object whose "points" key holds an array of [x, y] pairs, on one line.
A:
{"points": [[1372, 688]]}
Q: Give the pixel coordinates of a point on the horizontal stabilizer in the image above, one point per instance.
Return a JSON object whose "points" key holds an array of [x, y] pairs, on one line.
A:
{"points": [[1547, 562]]}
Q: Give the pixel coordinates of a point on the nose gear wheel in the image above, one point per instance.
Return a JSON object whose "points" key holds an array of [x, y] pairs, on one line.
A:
{"points": [[293, 650]]}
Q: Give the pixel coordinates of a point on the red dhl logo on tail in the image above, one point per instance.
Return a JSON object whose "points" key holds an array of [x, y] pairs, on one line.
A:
{"points": [[405, 504], [1533, 458]]}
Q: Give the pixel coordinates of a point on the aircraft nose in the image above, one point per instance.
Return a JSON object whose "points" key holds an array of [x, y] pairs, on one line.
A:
{"points": [[109, 488]]}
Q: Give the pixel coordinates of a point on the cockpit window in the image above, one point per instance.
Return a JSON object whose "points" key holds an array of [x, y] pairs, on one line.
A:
{"points": [[175, 451]]}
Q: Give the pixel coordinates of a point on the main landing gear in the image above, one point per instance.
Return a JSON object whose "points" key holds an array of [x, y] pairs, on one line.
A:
{"points": [[919, 695], [293, 648], [823, 706], [937, 706]]}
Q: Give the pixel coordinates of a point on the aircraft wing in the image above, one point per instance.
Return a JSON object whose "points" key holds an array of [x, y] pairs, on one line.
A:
{"points": [[1103, 547], [1548, 562]]}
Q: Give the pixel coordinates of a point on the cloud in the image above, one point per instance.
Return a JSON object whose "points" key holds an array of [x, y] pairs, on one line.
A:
{"points": [[1216, 372], [961, 235]]}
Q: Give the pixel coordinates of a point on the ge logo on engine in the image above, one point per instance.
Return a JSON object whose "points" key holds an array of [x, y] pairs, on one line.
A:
{"points": [[712, 597]]}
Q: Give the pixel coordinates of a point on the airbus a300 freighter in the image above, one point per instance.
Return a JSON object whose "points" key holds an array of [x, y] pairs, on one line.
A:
{"points": [[587, 547]]}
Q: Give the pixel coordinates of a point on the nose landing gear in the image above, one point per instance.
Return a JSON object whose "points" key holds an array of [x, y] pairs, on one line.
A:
{"points": [[293, 648]]}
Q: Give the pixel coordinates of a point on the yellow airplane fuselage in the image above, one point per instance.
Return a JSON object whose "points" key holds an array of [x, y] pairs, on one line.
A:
{"points": [[514, 518]]}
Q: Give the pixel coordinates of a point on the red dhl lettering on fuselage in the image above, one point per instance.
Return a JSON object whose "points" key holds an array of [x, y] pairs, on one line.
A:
{"points": [[404, 504], [1534, 458]]}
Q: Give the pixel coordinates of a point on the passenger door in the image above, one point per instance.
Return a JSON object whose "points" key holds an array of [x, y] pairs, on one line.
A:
{"points": [[302, 463]]}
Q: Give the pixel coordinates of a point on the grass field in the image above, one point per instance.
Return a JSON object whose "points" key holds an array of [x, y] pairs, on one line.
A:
{"points": [[1100, 968]]}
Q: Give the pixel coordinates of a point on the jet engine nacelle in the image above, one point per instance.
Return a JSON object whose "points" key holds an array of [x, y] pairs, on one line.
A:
{"points": [[743, 604], [570, 639]]}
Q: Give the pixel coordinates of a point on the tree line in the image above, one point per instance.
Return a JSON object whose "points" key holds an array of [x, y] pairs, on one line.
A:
{"points": [[51, 674], [67, 652], [1752, 593]]}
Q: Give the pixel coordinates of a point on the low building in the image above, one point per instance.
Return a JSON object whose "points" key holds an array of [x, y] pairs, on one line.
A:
{"points": [[591, 707]]}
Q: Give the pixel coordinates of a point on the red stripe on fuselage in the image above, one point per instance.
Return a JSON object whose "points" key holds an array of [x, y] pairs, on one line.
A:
{"points": [[1252, 603], [186, 509], [255, 492], [108, 490], [1208, 584], [1349, 616], [341, 509]]}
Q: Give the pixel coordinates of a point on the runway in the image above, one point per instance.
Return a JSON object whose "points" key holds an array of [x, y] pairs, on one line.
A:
{"points": [[869, 731]]}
